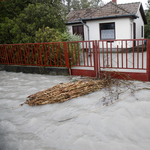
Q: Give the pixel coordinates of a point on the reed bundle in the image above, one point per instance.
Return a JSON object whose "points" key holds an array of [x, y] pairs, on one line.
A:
{"points": [[66, 91]]}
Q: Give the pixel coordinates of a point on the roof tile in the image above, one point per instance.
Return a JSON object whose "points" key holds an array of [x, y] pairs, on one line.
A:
{"points": [[110, 9]]}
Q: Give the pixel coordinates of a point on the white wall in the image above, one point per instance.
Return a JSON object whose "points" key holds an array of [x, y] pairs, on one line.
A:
{"points": [[122, 28], [139, 22]]}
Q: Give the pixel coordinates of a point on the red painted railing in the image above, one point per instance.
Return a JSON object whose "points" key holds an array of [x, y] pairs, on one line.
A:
{"points": [[81, 53], [89, 58], [34, 54], [129, 57], [122, 54]]}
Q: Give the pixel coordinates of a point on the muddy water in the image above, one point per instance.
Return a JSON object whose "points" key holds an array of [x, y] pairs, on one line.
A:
{"points": [[121, 126]]}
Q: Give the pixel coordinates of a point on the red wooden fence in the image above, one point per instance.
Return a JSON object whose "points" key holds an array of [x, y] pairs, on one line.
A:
{"points": [[121, 58]]}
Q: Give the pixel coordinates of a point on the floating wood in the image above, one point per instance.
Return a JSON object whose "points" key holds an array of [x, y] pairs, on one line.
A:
{"points": [[66, 91]]}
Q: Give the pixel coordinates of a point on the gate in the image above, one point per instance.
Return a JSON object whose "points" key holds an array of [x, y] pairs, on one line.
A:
{"points": [[124, 59], [82, 58]]}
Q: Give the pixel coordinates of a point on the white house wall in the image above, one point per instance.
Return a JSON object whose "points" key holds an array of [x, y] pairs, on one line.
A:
{"points": [[139, 22], [122, 29]]}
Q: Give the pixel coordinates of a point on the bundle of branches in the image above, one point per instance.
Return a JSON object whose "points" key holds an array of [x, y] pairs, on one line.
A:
{"points": [[65, 91]]}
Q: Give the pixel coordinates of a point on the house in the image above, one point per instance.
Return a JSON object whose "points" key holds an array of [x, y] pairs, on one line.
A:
{"points": [[110, 22]]}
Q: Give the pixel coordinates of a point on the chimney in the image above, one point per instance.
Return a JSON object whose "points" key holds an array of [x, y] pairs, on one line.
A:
{"points": [[115, 1]]}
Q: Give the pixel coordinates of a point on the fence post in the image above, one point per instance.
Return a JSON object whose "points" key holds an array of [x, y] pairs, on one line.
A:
{"points": [[96, 59], [1, 59], [6, 55], [41, 55], [148, 59], [66, 56]]}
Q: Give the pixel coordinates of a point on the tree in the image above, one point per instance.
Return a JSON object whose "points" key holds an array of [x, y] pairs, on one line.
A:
{"points": [[68, 5], [46, 34], [76, 5], [82, 4], [85, 4], [147, 27], [22, 27], [96, 3], [11, 8]]}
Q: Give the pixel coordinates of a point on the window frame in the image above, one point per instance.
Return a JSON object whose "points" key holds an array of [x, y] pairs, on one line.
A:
{"points": [[78, 30], [142, 31], [107, 29]]}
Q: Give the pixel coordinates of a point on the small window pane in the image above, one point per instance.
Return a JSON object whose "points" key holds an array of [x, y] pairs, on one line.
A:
{"points": [[107, 31], [78, 30], [141, 31], [107, 26], [107, 34]]}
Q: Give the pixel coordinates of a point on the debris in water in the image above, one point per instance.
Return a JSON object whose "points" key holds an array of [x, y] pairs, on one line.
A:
{"points": [[66, 91]]}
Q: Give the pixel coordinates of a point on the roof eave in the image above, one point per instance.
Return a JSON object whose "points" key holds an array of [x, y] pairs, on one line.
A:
{"points": [[75, 22], [104, 17], [143, 14]]}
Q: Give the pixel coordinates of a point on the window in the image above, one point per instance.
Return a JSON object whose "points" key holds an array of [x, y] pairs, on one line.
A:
{"points": [[107, 31], [131, 30], [141, 31], [78, 30]]}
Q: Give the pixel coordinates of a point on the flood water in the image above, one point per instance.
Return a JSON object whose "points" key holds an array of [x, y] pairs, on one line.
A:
{"points": [[124, 125]]}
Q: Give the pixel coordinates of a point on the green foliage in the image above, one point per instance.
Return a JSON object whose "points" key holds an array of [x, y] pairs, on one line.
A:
{"points": [[85, 4], [12, 8], [76, 4], [21, 28], [74, 49], [96, 3], [21, 20], [68, 37], [82, 4], [47, 35], [75, 37], [147, 27]]}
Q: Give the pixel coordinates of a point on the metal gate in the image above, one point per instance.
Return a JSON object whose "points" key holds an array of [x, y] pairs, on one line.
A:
{"points": [[124, 59]]}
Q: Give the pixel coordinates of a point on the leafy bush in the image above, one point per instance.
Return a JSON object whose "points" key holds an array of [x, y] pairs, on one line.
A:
{"points": [[74, 48], [46, 34], [68, 37], [19, 20]]}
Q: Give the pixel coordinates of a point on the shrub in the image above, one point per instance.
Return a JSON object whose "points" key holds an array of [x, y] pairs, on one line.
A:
{"points": [[74, 48], [68, 37], [46, 34]]}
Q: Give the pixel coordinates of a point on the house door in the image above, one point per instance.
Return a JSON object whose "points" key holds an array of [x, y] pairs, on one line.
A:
{"points": [[134, 32], [79, 30]]}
